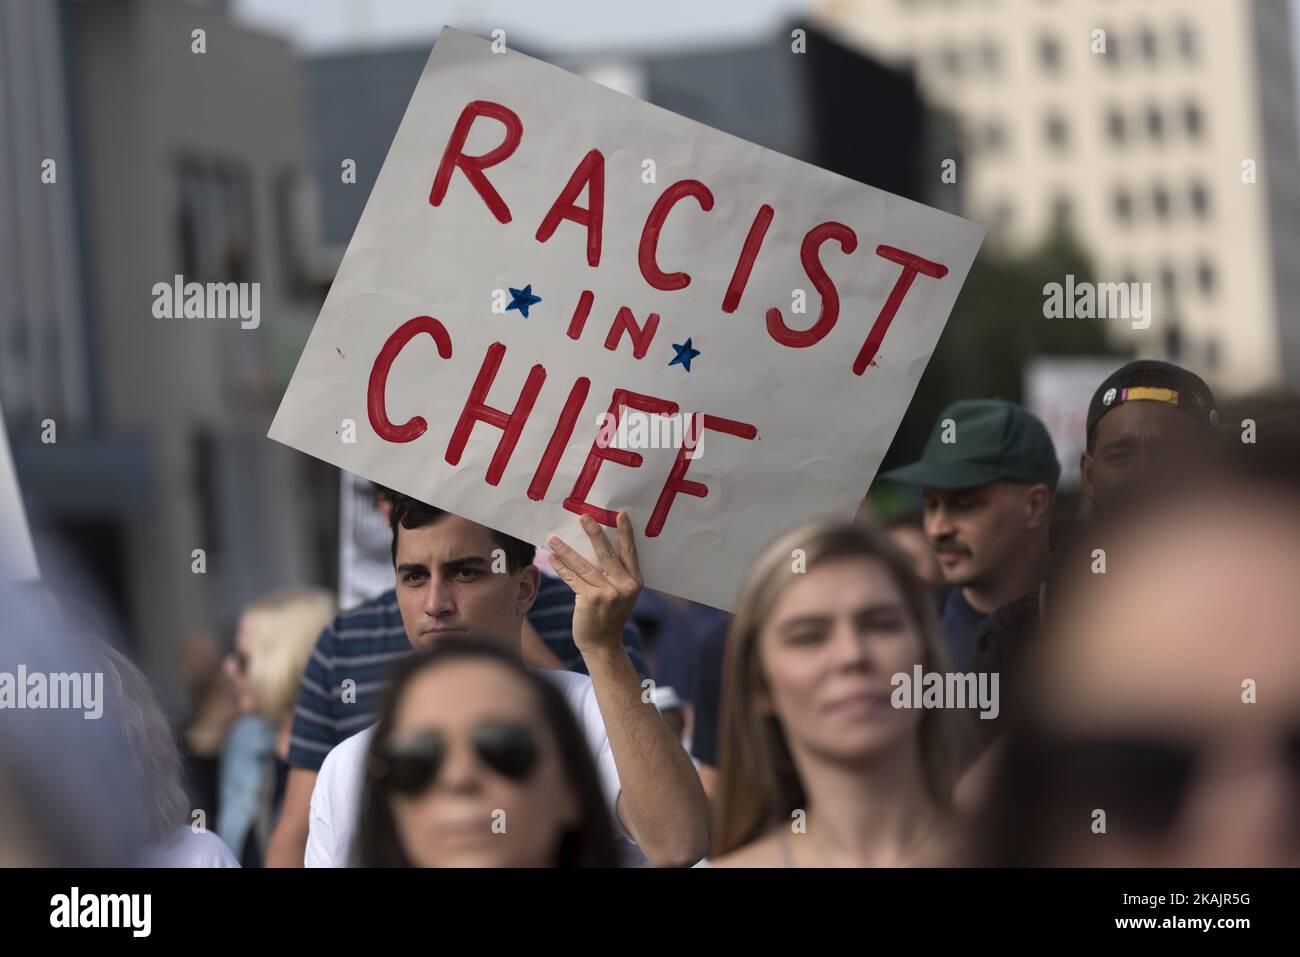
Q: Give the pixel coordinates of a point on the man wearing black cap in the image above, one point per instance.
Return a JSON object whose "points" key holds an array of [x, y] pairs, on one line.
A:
{"points": [[1147, 418], [988, 475]]}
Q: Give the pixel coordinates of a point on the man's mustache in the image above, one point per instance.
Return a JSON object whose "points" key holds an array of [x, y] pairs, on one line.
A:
{"points": [[949, 545]]}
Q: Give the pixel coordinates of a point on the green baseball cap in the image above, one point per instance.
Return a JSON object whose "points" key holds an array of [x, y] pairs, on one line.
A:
{"points": [[977, 441]]}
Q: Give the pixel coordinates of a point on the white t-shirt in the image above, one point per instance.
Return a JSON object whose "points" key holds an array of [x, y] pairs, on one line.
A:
{"points": [[336, 799], [190, 848]]}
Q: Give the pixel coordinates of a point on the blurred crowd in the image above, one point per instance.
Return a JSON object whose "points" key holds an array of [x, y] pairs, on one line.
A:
{"points": [[500, 706]]}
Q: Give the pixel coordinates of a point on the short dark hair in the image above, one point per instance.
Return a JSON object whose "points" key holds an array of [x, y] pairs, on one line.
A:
{"points": [[412, 513], [912, 518], [590, 844]]}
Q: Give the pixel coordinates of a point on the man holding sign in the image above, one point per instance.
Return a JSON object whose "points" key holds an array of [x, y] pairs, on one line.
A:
{"points": [[517, 289], [448, 585]]}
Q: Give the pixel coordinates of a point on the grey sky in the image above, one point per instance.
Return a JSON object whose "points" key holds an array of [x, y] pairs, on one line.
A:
{"points": [[560, 25]]}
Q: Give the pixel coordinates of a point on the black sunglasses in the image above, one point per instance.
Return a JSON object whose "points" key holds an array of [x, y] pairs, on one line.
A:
{"points": [[410, 764], [1142, 780]]}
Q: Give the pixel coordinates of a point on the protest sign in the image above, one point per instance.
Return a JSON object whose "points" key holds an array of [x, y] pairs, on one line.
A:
{"points": [[539, 252], [1057, 390], [17, 555], [365, 558]]}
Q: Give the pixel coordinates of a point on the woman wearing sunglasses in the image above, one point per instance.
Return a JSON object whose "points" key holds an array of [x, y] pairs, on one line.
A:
{"points": [[819, 768], [478, 762]]}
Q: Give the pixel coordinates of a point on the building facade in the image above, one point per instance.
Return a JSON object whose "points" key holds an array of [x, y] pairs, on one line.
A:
{"points": [[181, 149], [1164, 133]]}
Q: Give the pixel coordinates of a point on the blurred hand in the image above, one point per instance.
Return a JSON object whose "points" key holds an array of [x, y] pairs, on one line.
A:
{"points": [[606, 594]]}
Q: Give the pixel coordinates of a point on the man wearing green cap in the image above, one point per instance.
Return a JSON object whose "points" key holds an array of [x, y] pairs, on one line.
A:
{"points": [[987, 475]]}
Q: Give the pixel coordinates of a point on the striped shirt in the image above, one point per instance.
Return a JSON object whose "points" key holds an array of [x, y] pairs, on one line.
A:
{"points": [[363, 645]]}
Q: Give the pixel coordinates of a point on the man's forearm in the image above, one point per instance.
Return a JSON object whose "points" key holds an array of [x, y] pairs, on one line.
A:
{"points": [[288, 841], [286, 845], [662, 798]]}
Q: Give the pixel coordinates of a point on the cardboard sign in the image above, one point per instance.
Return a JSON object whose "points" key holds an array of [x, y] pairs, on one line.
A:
{"points": [[17, 555], [542, 258], [1057, 390], [365, 555]]}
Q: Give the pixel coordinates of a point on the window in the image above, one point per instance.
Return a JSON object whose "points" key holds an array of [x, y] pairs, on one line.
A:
{"points": [[1123, 205], [990, 57], [1173, 341], [1049, 54], [1115, 125], [1200, 200], [1112, 55], [1147, 44], [1062, 211], [1056, 131], [1192, 121], [214, 223], [950, 60], [1155, 122], [994, 137], [1205, 278], [1160, 202], [1187, 45], [1168, 281]]}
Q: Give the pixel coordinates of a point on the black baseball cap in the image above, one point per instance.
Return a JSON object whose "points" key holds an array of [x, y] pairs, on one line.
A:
{"points": [[1150, 380], [978, 441]]}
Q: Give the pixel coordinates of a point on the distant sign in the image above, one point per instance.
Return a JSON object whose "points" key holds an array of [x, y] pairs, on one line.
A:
{"points": [[1058, 391], [17, 556], [539, 251], [365, 556]]}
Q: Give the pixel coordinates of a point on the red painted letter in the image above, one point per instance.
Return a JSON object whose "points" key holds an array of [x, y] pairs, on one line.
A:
{"points": [[912, 264], [591, 174], [580, 314], [577, 500], [473, 166], [641, 336], [830, 308], [655, 222], [748, 253], [477, 409], [414, 427], [677, 481], [559, 439]]}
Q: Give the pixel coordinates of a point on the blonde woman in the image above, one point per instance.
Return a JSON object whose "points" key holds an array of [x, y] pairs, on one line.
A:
{"points": [[274, 640], [819, 769]]}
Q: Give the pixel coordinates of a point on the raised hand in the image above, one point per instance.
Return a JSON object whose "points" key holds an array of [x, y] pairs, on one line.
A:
{"points": [[605, 594]]}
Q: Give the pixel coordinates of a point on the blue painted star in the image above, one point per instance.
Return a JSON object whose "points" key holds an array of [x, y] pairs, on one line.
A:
{"points": [[523, 298], [684, 354]]}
